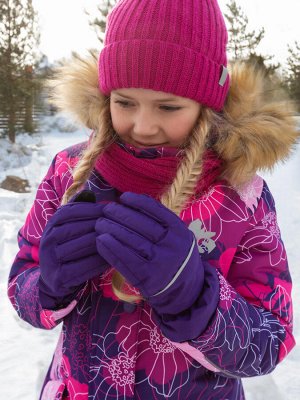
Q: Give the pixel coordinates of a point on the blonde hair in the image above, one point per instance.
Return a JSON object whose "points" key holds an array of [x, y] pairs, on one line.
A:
{"points": [[177, 195], [101, 139]]}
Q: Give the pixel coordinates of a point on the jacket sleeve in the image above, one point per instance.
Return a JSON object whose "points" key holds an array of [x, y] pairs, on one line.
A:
{"points": [[24, 274], [251, 329]]}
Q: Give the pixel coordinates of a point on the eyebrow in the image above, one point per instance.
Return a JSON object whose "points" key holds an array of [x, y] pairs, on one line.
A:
{"points": [[157, 100]]}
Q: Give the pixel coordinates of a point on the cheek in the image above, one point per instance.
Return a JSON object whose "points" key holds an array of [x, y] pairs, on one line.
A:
{"points": [[180, 129], [119, 123]]}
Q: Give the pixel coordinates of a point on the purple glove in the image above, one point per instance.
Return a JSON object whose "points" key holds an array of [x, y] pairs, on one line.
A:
{"points": [[156, 252], [68, 253]]}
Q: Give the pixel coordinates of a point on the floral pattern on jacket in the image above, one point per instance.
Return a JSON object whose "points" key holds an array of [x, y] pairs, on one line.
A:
{"points": [[107, 350]]}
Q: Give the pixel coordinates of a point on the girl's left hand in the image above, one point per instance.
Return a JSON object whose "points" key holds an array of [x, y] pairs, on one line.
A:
{"points": [[150, 246]]}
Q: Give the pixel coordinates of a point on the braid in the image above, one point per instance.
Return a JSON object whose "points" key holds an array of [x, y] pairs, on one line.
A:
{"points": [[190, 169], [100, 141]]}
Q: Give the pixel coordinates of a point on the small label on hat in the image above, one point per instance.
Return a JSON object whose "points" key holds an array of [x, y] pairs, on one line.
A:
{"points": [[223, 76]]}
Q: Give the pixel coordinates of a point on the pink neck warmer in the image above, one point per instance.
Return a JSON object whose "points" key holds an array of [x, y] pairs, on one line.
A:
{"points": [[150, 171]]}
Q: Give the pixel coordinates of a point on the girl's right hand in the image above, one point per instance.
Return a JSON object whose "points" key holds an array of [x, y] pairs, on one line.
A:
{"points": [[68, 253]]}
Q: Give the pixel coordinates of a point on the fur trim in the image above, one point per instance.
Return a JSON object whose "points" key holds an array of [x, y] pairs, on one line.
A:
{"points": [[258, 127], [253, 132], [75, 90]]}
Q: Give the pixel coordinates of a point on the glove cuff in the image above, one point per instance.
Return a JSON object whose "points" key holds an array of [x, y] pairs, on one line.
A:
{"points": [[188, 324], [51, 302]]}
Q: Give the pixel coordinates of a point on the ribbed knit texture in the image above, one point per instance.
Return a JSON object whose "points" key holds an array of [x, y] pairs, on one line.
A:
{"points": [[174, 46], [124, 169]]}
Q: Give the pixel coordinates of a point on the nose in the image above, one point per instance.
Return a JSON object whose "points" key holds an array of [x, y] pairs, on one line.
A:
{"points": [[145, 124]]}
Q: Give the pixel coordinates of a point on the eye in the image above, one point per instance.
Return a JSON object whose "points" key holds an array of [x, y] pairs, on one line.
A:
{"points": [[122, 103], [169, 108]]}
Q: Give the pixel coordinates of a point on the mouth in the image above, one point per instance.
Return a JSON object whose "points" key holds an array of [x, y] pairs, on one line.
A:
{"points": [[140, 144]]}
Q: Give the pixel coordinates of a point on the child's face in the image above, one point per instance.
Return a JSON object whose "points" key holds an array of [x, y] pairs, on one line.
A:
{"points": [[147, 118]]}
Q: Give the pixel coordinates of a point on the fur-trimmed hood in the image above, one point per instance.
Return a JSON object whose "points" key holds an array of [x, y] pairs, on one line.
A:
{"points": [[255, 131]]}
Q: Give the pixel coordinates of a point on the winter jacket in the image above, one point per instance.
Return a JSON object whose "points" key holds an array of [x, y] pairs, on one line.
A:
{"points": [[111, 349]]}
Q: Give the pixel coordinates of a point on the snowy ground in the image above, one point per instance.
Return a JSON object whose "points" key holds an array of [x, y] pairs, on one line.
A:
{"points": [[26, 352]]}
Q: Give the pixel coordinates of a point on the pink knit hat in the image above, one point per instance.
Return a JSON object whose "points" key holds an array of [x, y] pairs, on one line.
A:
{"points": [[173, 46]]}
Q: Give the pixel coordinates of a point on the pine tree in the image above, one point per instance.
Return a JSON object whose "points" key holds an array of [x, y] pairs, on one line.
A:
{"points": [[99, 23], [18, 43], [293, 72], [242, 43]]}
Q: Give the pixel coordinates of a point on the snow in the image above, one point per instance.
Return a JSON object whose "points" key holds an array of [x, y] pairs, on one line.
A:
{"points": [[26, 352]]}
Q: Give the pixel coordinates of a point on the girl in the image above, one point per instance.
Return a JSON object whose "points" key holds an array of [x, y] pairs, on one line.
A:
{"points": [[155, 243]]}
